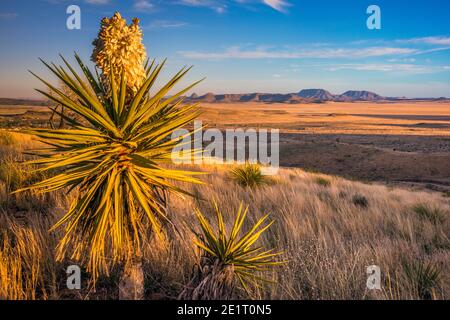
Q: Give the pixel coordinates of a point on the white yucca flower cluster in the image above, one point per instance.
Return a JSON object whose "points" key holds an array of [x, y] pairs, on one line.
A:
{"points": [[120, 45]]}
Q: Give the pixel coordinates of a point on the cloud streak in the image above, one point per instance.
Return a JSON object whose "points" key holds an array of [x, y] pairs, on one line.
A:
{"points": [[394, 67], [167, 24], [8, 16], [434, 40], [218, 7], [99, 2], [325, 53], [278, 5], [142, 5]]}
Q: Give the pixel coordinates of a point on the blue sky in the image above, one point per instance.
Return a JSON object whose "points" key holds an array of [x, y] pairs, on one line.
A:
{"points": [[248, 45]]}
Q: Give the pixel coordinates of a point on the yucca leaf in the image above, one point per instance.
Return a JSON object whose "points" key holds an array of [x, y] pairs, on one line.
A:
{"points": [[137, 99], [81, 93], [114, 95], [95, 85], [122, 97]]}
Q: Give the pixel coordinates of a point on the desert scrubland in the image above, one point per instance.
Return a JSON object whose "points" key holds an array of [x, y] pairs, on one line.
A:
{"points": [[368, 184], [405, 143]]}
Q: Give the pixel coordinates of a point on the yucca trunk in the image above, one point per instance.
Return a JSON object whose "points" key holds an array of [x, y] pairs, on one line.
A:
{"points": [[131, 284], [211, 282]]}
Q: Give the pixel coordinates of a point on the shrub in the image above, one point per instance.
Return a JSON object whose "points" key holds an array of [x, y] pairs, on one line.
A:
{"points": [[423, 276], [249, 175], [323, 181], [360, 201], [433, 214]]}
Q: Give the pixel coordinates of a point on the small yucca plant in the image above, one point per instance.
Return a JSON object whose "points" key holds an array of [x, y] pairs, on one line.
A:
{"points": [[249, 175], [114, 156], [230, 257], [423, 276]]}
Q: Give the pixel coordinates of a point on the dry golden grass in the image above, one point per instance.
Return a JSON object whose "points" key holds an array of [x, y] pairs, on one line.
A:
{"points": [[405, 143], [329, 232], [27, 268]]}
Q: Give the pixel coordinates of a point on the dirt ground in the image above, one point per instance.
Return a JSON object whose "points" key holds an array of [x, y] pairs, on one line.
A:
{"points": [[398, 143]]}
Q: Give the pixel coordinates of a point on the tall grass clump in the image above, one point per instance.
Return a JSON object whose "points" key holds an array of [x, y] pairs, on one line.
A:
{"points": [[6, 138], [360, 201], [23, 257], [431, 213], [424, 277], [249, 175]]}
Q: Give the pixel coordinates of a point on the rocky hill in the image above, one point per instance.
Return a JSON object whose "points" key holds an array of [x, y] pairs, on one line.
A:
{"points": [[303, 96]]}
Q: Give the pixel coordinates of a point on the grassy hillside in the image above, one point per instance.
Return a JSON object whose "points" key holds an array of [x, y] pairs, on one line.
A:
{"points": [[330, 230]]}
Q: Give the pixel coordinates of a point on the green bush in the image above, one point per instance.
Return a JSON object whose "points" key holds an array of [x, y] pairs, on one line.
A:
{"points": [[323, 181], [249, 175], [433, 214], [360, 201]]}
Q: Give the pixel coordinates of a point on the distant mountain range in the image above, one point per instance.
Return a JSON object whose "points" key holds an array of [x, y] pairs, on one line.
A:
{"points": [[303, 96]]}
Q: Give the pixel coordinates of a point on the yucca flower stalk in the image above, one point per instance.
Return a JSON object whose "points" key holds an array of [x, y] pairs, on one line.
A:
{"points": [[229, 257], [114, 158], [118, 48]]}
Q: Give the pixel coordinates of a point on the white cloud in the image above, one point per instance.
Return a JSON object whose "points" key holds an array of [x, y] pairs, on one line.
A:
{"points": [[220, 6], [433, 50], [326, 53], [162, 24], [7, 16], [211, 4], [408, 60], [434, 40], [142, 5], [220, 9], [278, 5], [196, 3], [97, 1], [394, 67]]}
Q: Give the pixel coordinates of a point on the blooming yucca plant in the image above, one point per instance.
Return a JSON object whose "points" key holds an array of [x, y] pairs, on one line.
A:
{"points": [[113, 156], [229, 256]]}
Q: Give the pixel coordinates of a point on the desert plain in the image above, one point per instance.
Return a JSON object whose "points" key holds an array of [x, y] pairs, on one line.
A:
{"points": [[360, 184], [402, 143]]}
